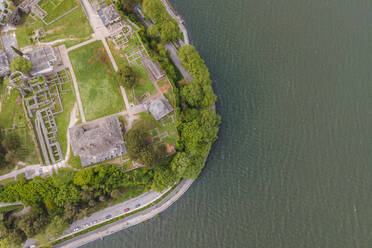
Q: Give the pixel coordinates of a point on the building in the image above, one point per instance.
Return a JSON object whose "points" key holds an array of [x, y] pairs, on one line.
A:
{"points": [[159, 107], [27, 5], [4, 64], [43, 60], [9, 41], [153, 69], [108, 15], [98, 140]]}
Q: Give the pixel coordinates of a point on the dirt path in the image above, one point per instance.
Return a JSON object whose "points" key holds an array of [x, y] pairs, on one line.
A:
{"points": [[73, 121]]}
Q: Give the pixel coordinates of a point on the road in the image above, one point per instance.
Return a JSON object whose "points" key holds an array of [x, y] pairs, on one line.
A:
{"points": [[131, 220], [114, 211], [176, 60]]}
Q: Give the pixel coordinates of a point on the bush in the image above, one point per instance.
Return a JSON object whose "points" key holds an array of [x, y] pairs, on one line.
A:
{"points": [[21, 64]]}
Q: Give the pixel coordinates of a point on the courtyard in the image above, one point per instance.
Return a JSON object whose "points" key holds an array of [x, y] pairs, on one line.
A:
{"points": [[99, 90]]}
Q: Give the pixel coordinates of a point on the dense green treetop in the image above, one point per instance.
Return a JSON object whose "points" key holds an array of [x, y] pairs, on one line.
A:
{"points": [[165, 27], [21, 64], [126, 76]]}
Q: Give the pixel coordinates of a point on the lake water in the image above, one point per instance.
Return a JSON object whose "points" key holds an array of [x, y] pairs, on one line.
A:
{"points": [[293, 165]]}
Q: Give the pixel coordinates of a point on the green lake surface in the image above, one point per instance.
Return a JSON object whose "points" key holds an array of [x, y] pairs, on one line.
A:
{"points": [[293, 165]]}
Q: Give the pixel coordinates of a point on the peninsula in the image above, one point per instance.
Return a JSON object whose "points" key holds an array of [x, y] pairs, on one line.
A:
{"points": [[107, 115]]}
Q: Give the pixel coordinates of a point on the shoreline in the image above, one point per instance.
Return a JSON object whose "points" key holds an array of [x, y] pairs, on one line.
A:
{"points": [[130, 221]]}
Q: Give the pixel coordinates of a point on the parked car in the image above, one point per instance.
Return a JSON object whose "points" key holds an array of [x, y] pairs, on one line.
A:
{"points": [[126, 210], [108, 216], [138, 205]]}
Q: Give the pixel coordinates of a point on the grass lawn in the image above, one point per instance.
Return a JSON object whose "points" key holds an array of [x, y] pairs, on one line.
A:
{"points": [[144, 84], [13, 120], [74, 25], [99, 90], [166, 128], [117, 53], [56, 8]]}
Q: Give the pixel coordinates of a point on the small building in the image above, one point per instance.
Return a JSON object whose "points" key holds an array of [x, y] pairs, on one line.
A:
{"points": [[27, 5], [153, 69], [4, 64], [8, 41], [108, 15], [98, 140], [159, 107], [43, 60]]}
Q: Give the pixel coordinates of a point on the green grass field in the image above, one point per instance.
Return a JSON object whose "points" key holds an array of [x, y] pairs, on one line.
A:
{"points": [[144, 84], [56, 8], [12, 120], [74, 25], [99, 90]]}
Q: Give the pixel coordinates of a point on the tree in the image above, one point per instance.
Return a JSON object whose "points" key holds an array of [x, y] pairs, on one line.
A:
{"points": [[169, 31], [128, 5], [83, 177], [56, 227], [154, 31], [67, 194], [5, 243], [63, 177], [164, 23], [163, 178], [179, 163], [142, 152], [155, 10], [21, 64], [135, 142], [32, 223], [152, 155], [192, 94], [17, 51], [126, 77]]}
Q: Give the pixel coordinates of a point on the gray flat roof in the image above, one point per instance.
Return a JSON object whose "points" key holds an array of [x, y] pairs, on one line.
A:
{"points": [[98, 140], [108, 14], [42, 59], [159, 107]]}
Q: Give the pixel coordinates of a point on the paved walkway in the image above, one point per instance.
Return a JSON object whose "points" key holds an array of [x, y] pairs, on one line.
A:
{"points": [[67, 62], [176, 60], [113, 62], [81, 44], [131, 220]]}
